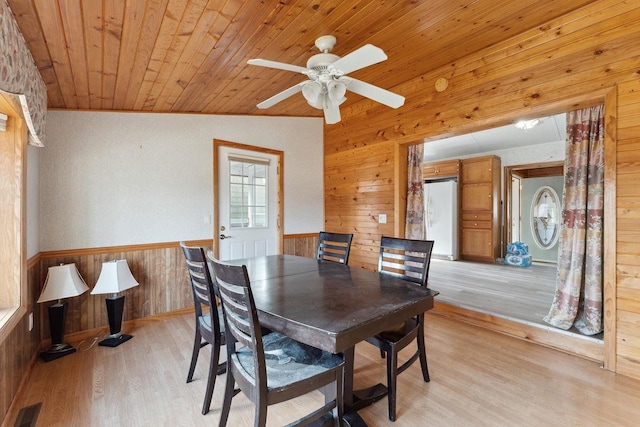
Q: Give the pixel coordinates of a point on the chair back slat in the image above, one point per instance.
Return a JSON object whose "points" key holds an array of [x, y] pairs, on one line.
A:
{"points": [[407, 259], [200, 278], [237, 314], [240, 313], [334, 247]]}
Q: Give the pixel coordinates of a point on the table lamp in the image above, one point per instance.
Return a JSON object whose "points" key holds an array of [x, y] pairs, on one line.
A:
{"points": [[63, 281], [115, 277]]}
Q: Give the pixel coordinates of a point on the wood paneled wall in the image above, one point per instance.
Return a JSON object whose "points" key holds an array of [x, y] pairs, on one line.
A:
{"points": [[571, 62], [18, 350], [359, 185], [628, 228]]}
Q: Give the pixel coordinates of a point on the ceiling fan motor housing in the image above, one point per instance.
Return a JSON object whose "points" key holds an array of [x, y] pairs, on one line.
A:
{"points": [[321, 61], [325, 43]]}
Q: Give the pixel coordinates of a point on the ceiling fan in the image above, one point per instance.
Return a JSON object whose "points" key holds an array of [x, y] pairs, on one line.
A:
{"points": [[328, 81]]}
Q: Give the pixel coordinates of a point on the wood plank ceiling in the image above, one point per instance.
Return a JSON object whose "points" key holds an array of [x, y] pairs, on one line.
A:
{"points": [[191, 55]]}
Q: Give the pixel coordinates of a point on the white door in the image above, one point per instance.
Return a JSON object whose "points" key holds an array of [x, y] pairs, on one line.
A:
{"points": [[247, 203], [516, 215]]}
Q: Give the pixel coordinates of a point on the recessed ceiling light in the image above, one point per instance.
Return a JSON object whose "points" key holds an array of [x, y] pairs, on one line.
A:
{"points": [[527, 124]]}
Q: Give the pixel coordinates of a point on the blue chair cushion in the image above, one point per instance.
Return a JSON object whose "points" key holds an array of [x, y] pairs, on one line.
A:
{"points": [[206, 320], [288, 361]]}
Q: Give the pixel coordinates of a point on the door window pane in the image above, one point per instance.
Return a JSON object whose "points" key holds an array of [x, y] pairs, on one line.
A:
{"points": [[248, 194]]}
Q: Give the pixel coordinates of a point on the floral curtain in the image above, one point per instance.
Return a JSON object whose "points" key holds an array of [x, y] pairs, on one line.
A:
{"points": [[19, 75], [578, 298], [414, 227]]}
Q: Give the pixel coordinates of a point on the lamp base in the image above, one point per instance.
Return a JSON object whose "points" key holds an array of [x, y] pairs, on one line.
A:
{"points": [[115, 341], [56, 352]]}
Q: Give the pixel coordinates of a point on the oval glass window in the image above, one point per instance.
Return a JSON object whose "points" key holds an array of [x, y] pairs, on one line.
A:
{"points": [[545, 217]]}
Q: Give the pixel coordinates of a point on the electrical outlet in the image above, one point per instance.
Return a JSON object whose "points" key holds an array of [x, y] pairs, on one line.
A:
{"points": [[382, 218], [30, 321]]}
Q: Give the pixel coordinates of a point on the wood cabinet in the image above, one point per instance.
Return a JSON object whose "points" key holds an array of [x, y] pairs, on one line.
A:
{"points": [[480, 209], [441, 169]]}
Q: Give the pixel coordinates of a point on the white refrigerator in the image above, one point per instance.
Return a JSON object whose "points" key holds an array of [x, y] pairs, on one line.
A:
{"points": [[441, 217]]}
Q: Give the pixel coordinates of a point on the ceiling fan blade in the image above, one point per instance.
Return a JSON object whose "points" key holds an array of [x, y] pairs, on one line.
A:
{"points": [[281, 96], [359, 58], [376, 93], [331, 113], [278, 65]]}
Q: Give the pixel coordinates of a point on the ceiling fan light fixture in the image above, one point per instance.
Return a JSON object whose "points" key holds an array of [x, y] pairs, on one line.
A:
{"points": [[336, 91], [328, 81], [527, 124], [318, 103], [311, 92]]}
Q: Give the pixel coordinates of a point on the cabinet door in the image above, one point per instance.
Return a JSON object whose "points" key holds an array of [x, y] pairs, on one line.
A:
{"points": [[477, 243], [477, 170], [477, 197], [430, 170], [441, 169], [448, 168]]}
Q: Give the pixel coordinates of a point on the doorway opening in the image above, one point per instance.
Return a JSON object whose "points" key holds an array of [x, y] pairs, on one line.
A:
{"points": [[521, 183], [602, 347]]}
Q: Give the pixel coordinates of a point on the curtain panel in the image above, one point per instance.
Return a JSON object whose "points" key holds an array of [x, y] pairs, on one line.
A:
{"points": [[414, 225], [19, 75], [578, 297]]}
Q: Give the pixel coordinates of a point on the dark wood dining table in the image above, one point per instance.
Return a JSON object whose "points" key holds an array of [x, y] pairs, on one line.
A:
{"points": [[333, 307]]}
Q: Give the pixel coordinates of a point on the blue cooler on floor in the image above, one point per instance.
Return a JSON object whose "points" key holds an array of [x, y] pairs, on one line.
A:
{"points": [[518, 254], [518, 260]]}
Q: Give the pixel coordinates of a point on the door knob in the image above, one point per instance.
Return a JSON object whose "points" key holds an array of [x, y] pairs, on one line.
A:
{"points": [[222, 237]]}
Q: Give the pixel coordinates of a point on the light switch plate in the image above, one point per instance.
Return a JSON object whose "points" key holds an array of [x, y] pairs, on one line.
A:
{"points": [[382, 218]]}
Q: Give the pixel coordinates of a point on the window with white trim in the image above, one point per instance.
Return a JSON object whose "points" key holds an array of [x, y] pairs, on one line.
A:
{"points": [[248, 190]]}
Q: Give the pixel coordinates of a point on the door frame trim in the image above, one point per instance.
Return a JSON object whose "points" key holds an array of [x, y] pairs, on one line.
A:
{"points": [[217, 143]]}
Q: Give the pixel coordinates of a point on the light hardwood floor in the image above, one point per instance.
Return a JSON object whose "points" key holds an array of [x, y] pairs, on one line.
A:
{"points": [[478, 378], [515, 293]]}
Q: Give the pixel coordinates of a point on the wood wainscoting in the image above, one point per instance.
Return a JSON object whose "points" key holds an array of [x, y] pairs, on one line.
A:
{"points": [[159, 268], [20, 347], [301, 244]]}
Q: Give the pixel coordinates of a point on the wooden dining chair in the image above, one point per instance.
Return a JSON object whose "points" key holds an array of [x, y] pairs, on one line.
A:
{"points": [[209, 328], [334, 247], [270, 368], [409, 260]]}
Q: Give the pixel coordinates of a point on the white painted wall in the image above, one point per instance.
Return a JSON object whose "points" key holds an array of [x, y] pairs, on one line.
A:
{"points": [[111, 179], [33, 195], [538, 153]]}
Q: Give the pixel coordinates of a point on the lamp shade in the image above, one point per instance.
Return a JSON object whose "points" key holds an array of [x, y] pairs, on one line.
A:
{"points": [[63, 281], [115, 277]]}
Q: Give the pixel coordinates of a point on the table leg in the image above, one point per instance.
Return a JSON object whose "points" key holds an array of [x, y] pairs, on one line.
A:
{"points": [[358, 399]]}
